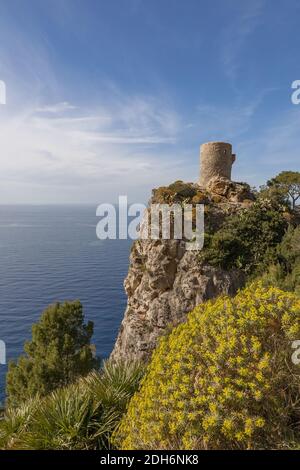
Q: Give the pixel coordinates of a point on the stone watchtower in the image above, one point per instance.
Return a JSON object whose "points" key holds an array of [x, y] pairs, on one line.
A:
{"points": [[216, 159]]}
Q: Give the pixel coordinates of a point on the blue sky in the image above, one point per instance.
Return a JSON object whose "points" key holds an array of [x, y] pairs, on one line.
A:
{"points": [[115, 97]]}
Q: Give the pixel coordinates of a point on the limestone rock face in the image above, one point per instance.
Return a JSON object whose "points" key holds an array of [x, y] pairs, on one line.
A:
{"points": [[232, 191], [164, 283]]}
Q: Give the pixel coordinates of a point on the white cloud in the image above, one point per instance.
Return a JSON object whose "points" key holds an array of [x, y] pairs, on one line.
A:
{"points": [[63, 148], [56, 108]]}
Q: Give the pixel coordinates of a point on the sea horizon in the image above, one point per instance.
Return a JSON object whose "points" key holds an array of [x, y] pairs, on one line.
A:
{"points": [[49, 256]]}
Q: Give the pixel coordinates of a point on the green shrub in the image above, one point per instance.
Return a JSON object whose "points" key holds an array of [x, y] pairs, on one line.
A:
{"points": [[288, 182], [183, 189], [80, 416], [14, 423], [177, 192], [222, 380], [58, 354], [275, 195], [248, 239], [284, 272]]}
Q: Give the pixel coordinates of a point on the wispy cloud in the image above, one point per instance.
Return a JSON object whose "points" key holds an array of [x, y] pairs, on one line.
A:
{"points": [[274, 148], [278, 142], [228, 121], [236, 33], [63, 145], [56, 108]]}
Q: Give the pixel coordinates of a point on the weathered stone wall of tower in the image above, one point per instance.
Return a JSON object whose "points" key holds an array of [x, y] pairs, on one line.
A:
{"points": [[216, 160]]}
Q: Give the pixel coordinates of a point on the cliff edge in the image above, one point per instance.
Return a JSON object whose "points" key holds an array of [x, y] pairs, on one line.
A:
{"points": [[165, 281]]}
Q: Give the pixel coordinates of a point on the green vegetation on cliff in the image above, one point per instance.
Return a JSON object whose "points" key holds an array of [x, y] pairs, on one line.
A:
{"points": [[247, 240], [223, 380], [284, 271]]}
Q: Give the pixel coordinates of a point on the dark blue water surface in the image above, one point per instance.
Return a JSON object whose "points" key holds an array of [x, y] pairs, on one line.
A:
{"points": [[49, 254]]}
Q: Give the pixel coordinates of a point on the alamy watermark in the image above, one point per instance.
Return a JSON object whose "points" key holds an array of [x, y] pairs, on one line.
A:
{"points": [[296, 93], [296, 353], [159, 221], [2, 353], [2, 92]]}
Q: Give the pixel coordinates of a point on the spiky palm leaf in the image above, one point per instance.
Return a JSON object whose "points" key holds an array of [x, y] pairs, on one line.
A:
{"points": [[80, 416]]}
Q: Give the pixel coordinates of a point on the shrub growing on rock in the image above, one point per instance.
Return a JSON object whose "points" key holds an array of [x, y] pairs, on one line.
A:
{"points": [[284, 272], [222, 380], [247, 240]]}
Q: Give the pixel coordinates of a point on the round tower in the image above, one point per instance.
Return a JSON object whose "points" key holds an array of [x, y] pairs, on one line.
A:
{"points": [[216, 159]]}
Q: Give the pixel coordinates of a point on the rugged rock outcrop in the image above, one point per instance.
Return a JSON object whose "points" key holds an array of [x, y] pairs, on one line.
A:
{"points": [[165, 281], [229, 190]]}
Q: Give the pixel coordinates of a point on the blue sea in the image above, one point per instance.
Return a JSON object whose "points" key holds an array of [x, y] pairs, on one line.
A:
{"points": [[50, 254]]}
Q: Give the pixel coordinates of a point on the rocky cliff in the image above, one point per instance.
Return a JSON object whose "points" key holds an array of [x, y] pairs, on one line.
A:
{"points": [[165, 281]]}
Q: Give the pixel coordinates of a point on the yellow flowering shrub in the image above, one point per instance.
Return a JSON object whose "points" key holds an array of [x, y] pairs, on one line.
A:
{"points": [[225, 379]]}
